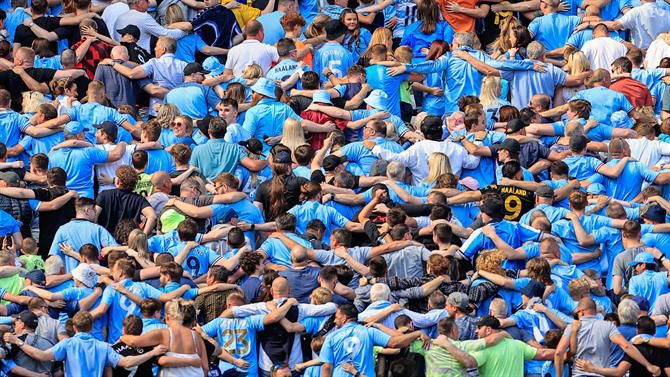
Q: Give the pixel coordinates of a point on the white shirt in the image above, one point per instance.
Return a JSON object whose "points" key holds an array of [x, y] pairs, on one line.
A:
{"points": [[250, 52], [602, 51], [415, 157], [657, 50], [111, 14], [148, 27], [109, 168], [648, 152], [646, 22]]}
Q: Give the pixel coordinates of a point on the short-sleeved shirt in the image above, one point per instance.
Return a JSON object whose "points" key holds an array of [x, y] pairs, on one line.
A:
{"points": [[504, 359], [120, 306], [78, 163], [517, 201], [604, 102], [76, 233], [352, 343], [197, 260], [216, 157], [593, 341], [119, 204], [553, 30], [440, 363], [278, 253], [310, 210], [238, 337], [84, 355]]}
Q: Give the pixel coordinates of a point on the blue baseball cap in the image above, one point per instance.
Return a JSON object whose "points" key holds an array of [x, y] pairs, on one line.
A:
{"points": [[596, 189], [654, 213], [213, 65], [645, 257], [265, 87], [321, 96], [378, 100], [620, 119], [73, 128]]}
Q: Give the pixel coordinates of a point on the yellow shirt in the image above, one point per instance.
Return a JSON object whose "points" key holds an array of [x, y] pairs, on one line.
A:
{"points": [[244, 13]]}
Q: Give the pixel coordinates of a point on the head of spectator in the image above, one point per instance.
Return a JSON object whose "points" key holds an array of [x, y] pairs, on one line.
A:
{"points": [[540, 102], [654, 214], [643, 262], [535, 51], [628, 311], [24, 57], [458, 305], [38, 8], [599, 77], [165, 45], [126, 178], [253, 30], [139, 5], [193, 72], [487, 325], [586, 307], [462, 39], [263, 89], [509, 150], [123, 269], [26, 323], [550, 6], [622, 65], [161, 182], [82, 322], [335, 31]]}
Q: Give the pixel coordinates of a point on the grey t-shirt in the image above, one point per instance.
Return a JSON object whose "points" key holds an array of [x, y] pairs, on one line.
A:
{"points": [[662, 305], [119, 89], [408, 262], [621, 266], [593, 342], [328, 258]]}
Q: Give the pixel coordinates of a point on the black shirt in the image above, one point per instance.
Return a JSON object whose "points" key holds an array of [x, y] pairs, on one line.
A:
{"points": [[25, 37], [15, 85], [517, 201], [73, 35], [143, 370], [292, 186], [118, 205], [656, 356], [136, 53], [52, 220]]}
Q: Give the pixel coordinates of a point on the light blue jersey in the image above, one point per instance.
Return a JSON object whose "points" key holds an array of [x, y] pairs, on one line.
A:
{"points": [[238, 337], [310, 210], [334, 56], [78, 163], [604, 102], [352, 343], [119, 306], [278, 253], [84, 355], [198, 260], [77, 233]]}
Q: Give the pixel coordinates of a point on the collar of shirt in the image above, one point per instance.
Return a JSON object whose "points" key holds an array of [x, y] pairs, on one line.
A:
{"points": [[83, 335], [379, 305]]}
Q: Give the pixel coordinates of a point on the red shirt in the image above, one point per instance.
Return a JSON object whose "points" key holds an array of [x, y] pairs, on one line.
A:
{"points": [[98, 51], [316, 138], [636, 92]]}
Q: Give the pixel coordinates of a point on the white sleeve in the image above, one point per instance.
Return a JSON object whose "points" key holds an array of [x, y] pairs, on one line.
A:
{"points": [[662, 147], [407, 157], [154, 28], [308, 310], [250, 309]]}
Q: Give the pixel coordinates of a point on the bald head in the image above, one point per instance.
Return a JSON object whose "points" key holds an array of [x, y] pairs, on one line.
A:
{"points": [[587, 306], [120, 53], [162, 182], [299, 255], [253, 30], [280, 287]]}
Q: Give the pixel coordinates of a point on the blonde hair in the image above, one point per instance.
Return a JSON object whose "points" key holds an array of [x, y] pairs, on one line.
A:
{"points": [[491, 261], [321, 296], [438, 164], [391, 133], [166, 114], [403, 54], [252, 71], [293, 136], [316, 28], [32, 101], [53, 265], [577, 63], [503, 42], [381, 36], [174, 14], [491, 88], [137, 240], [174, 310]]}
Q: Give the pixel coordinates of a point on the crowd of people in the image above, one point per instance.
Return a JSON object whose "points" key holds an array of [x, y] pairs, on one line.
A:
{"points": [[282, 188]]}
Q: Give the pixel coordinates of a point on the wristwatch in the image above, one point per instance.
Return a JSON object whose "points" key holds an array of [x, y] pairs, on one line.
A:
{"points": [[31, 24], [20, 343]]}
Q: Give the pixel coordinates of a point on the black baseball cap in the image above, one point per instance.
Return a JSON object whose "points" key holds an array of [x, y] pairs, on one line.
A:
{"points": [[489, 321], [545, 191], [192, 68], [253, 145], [130, 29], [28, 318], [108, 128], [510, 145], [654, 213], [515, 125]]}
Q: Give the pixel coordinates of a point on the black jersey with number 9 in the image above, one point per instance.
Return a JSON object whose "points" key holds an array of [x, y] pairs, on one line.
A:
{"points": [[517, 201]]}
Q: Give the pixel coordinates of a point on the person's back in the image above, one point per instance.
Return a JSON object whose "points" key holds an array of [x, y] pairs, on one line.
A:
{"points": [[505, 358], [602, 51], [352, 342], [378, 78], [25, 361], [76, 233], [302, 282], [526, 84], [553, 29], [220, 327], [78, 163], [119, 204], [593, 340], [84, 354], [334, 56], [225, 155]]}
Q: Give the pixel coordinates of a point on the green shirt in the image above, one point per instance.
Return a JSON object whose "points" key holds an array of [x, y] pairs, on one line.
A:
{"points": [[13, 284], [504, 359], [440, 363], [144, 186], [32, 262]]}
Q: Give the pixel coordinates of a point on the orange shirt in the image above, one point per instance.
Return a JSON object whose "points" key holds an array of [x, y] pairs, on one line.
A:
{"points": [[459, 21]]}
